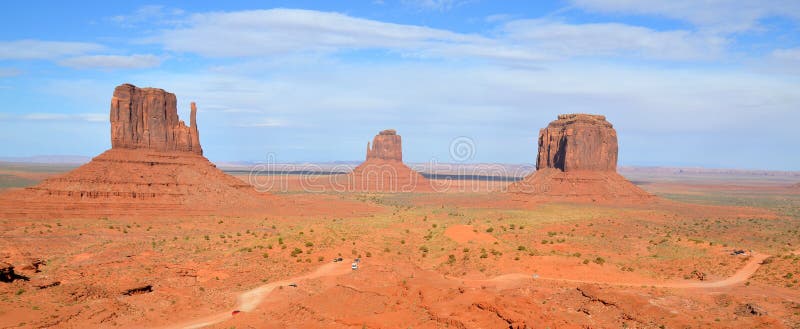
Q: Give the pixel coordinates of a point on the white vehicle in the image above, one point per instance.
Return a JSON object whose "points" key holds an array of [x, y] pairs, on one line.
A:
{"points": [[354, 266]]}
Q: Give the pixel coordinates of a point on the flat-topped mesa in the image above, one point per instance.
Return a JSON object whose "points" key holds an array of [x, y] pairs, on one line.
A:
{"points": [[386, 146], [147, 118], [578, 162], [577, 142]]}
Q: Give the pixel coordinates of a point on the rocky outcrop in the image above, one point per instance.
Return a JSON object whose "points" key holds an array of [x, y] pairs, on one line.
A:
{"points": [[577, 160], [387, 146], [384, 170], [147, 118], [155, 167], [577, 142]]}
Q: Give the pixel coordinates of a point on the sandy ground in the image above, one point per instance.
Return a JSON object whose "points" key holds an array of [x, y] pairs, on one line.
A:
{"points": [[428, 260]]}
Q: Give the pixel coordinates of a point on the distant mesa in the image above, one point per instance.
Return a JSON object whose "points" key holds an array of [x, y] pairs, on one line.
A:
{"points": [[577, 159], [155, 167], [383, 170], [386, 146]]}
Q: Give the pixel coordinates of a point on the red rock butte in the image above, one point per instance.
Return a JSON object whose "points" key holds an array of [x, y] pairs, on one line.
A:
{"points": [[154, 167], [383, 170], [147, 118], [577, 160]]}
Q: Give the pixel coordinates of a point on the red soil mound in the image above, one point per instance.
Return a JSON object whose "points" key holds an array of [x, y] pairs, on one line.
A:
{"points": [[585, 185], [120, 181], [577, 160], [466, 233]]}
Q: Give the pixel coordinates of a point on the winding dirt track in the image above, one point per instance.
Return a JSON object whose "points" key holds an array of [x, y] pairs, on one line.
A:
{"points": [[249, 300], [740, 276]]}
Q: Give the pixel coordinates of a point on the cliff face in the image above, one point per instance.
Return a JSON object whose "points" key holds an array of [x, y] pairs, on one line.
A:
{"points": [[387, 146], [578, 142], [147, 118]]}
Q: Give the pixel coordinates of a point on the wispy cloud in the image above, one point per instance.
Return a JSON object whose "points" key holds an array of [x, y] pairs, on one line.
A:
{"points": [[612, 39], [437, 5], [150, 14], [6, 72], [792, 54], [718, 16], [288, 31], [262, 123], [112, 61], [86, 117], [38, 49]]}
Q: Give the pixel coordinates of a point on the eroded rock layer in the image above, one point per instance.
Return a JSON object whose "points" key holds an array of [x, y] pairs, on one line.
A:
{"points": [[578, 142], [147, 118]]}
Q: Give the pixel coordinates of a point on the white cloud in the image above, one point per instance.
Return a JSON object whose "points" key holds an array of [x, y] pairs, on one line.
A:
{"points": [[112, 61], [606, 39], [498, 18], [38, 49], [6, 72], [288, 31], [792, 54], [437, 5], [262, 123], [266, 32], [86, 117], [716, 15], [150, 14]]}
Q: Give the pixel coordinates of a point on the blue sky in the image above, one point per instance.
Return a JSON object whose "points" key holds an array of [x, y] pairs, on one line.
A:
{"points": [[686, 83]]}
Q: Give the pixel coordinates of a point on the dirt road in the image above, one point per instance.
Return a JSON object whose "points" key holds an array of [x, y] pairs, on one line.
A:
{"points": [[740, 276], [249, 300]]}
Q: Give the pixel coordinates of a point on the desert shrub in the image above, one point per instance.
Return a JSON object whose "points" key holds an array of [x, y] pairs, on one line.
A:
{"points": [[296, 252], [490, 230], [599, 261]]}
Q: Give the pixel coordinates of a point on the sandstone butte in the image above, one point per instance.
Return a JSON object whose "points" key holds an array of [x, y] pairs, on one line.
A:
{"points": [[383, 170], [577, 160], [155, 166]]}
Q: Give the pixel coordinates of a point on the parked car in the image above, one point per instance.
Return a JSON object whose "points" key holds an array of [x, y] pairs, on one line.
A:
{"points": [[354, 266]]}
